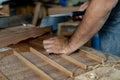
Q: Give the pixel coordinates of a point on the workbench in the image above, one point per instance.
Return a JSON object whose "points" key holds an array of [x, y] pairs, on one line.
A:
{"points": [[11, 68]]}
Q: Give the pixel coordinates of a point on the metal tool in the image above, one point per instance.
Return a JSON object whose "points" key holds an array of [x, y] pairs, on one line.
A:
{"points": [[58, 18]]}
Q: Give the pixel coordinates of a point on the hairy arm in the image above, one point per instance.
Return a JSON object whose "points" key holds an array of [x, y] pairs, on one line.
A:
{"points": [[96, 15], [94, 18]]}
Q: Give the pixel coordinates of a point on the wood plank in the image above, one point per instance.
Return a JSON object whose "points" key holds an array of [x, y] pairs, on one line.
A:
{"points": [[16, 34], [72, 60], [61, 10], [66, 33], [33, 67], [36, 13], [51, 62], [91, 56], [5, 10]]}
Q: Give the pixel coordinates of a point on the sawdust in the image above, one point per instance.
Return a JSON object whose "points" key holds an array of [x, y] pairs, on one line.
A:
{"points": [[110, 70], [103, 73]]}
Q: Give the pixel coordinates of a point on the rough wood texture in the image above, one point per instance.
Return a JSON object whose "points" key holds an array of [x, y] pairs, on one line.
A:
{"points": [[16, 34], [51, 62], [5, 10], [72, 60], [14, 69], [90, 55], [103, 73], [33, 67]]}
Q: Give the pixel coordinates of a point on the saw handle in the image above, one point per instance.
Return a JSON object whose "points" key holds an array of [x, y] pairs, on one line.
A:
{"points": [[78, 13]]}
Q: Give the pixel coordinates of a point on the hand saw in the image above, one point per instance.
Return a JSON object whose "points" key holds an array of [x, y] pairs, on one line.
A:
{"points": [[59, 18]]}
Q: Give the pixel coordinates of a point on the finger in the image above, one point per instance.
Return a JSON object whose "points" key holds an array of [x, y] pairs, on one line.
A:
{"points": [[49, 51], [48, 46], [48, 41]]}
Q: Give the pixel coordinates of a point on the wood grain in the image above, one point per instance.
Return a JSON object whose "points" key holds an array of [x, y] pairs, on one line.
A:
{"points": [[72, 60], [33, 67], [91, 56], [19, 33], [51, 62]]}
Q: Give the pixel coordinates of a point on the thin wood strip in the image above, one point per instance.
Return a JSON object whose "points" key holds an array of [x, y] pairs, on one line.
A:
{"points": [[72, 60], [2, 76], [33, 67], [36, 13], [51, 62], [91, 56], [61, 10]]}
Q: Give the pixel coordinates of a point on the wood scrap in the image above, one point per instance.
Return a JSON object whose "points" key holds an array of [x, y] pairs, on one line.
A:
{"points": [[103, 73], [16, 34], [33, 67], [5, 10]]}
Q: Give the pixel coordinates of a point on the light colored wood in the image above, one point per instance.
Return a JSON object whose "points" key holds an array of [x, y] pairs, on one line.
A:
{"points": [[33, 67], [36, 13], [61, 10], [59, 29], [61, 25], [5, 10], [51, 62], [44, 11], [91, 56], [72, 60]]}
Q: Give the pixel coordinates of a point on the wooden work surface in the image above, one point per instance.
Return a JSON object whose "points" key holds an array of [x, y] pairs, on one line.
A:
{"points": [[11, 68]]}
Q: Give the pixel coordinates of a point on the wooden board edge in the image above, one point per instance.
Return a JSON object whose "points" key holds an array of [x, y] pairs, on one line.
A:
{"points": [[32, 66], [91, 56], [51, 62], [72, 60]]}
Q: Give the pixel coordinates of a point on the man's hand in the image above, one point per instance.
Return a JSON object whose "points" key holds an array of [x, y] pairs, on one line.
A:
{"points": [[57, 45], [83, 7]]}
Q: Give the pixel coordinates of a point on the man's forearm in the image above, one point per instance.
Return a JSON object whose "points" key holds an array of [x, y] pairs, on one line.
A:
{"points": [[94, 18]]}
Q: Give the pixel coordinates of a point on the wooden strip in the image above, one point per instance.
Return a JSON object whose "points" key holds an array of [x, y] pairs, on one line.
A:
{"points": [[2, 76], [33, 67], [36, 13], [61, 10], [80, 64], [91, 56], [51, 62], [65, 33], [5, 10]]}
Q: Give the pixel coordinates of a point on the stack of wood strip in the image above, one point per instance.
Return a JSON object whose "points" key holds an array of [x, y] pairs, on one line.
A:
{"points": [[78, 60]]}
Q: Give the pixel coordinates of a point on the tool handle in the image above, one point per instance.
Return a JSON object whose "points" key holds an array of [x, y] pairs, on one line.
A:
{"points": [[78, 13]]}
